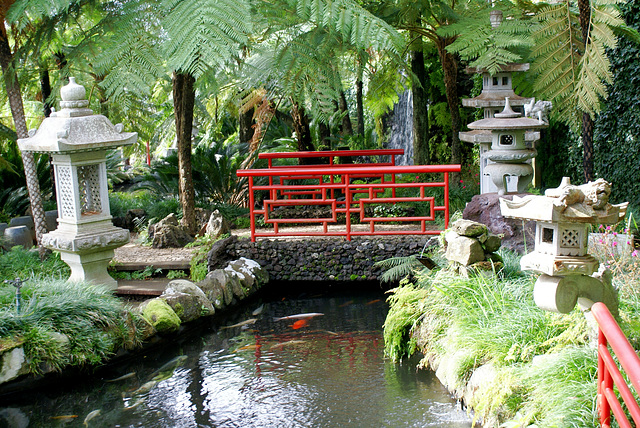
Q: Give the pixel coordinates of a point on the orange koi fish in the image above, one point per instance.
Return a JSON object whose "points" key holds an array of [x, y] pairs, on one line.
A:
{"points": [[300, 323]]}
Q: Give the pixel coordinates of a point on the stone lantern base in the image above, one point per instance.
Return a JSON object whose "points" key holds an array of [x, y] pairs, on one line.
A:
{"points": [[89, 250], [91, 267]]}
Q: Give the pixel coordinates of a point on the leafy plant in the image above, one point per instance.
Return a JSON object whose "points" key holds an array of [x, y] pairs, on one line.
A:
{"points": [[175, 274], [146, 273], [66, 323], [198, 264], [461, 324]]}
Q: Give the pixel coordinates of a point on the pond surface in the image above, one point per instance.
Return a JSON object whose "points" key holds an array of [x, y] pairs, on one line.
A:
{"points": [[322, 371]]}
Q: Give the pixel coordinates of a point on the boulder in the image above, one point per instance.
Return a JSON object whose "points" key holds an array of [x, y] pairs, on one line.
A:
{"points": [[464, 250], [485, 209], [185, 306], [17, 235], [202, 217], [254, 274], [168, 233], [188, 287], [468, 228], [25, 220], [217, 225], [217, 257], [214, 286], [51, 220], [492, 243], [13, 362], [236, 283], [161, 316]]}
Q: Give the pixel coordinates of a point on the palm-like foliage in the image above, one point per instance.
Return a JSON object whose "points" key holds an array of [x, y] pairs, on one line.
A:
{"points": [[215, 176], [487, 47], [308, 47], [570, 70]]}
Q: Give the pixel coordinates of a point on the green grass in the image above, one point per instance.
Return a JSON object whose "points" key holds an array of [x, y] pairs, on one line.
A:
{"points": [[539, 361], [64, 323], [26, 264]]}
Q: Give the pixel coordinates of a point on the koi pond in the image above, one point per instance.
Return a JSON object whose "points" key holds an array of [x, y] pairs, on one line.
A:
{"points": [[283, 360]]}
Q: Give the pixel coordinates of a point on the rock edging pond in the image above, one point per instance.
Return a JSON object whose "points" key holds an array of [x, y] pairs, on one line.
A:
{"points": [[182, 302]]}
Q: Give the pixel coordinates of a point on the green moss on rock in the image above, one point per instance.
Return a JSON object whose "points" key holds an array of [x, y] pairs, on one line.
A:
{"points": [[160, 315]]}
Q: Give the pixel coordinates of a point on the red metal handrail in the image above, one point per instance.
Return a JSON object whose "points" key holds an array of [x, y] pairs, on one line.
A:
{"points": [[338, 178], [609, 374], [331, 154]]}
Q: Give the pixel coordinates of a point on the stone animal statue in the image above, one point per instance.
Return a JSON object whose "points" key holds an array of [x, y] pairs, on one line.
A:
{"points": [[538, 109], [594, 193]]}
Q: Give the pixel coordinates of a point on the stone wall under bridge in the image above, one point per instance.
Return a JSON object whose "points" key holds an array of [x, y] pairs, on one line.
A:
{"points": [[318, 258]]}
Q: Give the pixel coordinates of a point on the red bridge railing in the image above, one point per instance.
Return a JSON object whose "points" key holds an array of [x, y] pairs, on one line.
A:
{"points": [[332, 154], [343, 188], [609, 375]]}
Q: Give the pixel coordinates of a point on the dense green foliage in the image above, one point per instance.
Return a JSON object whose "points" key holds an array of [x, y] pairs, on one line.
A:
{"points": [[62, 323], [26, 265], [618, 126], [534, 362]]}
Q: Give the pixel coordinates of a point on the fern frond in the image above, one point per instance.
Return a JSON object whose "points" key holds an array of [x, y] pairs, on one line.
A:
{"points": [[398, 268], [354, 23], [489, 48], [207, 39]]}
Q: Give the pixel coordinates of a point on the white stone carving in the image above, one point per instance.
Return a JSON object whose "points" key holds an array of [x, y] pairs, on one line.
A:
{"points": [[78, 141]]}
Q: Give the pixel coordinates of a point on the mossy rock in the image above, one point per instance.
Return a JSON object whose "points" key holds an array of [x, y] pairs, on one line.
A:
{"points": [[468, 228], [161, 316]]}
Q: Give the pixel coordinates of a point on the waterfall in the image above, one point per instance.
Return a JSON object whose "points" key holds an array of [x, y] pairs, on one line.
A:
{"points": [[402, 128]]}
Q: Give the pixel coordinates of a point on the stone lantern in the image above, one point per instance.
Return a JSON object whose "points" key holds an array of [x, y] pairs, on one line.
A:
{"points": [[78, 141], [495, 88], [568, 274], [509, 153]]}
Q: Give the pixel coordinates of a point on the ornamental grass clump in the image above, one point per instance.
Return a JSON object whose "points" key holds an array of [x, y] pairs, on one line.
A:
{"points": [[512, 363], [26, 264], [62, 323]]}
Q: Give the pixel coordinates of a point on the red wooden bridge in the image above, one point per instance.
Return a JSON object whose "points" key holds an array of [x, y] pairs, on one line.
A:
{"points": [[347, 190]]}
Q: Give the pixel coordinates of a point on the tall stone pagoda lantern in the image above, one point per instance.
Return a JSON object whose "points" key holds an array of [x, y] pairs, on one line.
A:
{"points": [[509, 154], [78, 141], [568, 274], [495, 88]]}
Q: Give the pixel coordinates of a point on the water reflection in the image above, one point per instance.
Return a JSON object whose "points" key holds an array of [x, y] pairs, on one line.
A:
{"points": [[329, 372]]}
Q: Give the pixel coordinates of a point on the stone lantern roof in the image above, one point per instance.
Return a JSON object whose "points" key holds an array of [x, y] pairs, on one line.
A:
{"points": [[507, 120], [75, 128], [587, 204]]}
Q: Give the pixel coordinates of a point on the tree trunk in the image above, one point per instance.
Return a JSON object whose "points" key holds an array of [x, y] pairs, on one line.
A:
{"points": [[359, 107], [245, 125], [45, 89], [301, 128], [420, 113], [183, 103], [324, 135], [450, 71], [347, 128], [17, 111], [584, 17]]}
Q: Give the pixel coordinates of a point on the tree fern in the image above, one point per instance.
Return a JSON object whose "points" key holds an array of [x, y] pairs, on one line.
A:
{"points": [[486, 47], [203, 34], [398, 268], [571, 71], [357, 25]]}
